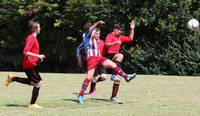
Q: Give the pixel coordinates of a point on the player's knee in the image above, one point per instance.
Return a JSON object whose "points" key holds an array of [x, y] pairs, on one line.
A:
{"points": [[89, 77], [37, 85], [117, 82], [119, 57], [103, 77]]}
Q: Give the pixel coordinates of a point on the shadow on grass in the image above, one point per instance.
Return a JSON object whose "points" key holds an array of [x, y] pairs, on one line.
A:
{"points": [[77, 93], [104, 100], [99, 99], [93, 99], [74, 100], [15, 105]]}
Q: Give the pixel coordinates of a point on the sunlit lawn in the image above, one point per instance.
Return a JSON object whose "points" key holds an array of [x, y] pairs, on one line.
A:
{"points": [[146, 95]]}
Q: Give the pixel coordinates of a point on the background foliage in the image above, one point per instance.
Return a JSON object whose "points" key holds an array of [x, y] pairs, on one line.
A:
{"points": [[163, 44]]}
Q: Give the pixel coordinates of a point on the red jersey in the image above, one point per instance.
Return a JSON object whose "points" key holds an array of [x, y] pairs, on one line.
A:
{"points": [[112, 38], [101, 47], [31, 45]]}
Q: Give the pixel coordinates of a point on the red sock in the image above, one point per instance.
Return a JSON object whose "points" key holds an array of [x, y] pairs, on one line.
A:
{"points": [[119, 65], [120, 72], [84, 86]]}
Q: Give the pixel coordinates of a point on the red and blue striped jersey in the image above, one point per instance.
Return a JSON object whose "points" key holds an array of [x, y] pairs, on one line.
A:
{"points": [[91, 45]]}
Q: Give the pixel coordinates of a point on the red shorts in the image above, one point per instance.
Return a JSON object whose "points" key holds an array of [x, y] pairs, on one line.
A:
{"points": [[93, 62]]}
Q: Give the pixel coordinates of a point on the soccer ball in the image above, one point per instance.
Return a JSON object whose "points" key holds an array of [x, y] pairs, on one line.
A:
{"points": [[193, 24]]}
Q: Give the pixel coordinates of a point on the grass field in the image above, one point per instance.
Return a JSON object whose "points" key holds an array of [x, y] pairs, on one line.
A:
{"points": [[146, 95]]}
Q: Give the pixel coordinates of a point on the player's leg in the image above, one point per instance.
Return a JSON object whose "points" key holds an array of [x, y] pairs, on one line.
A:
{"points": [[116, 78], [10, 78], [35, 94], [102, 72], [115, 89], [117, 58], [110, 64], [94, 81], [85, 84], [35, 78], [99, 78], [93, 86], [92, 62], [100, 75], [86, 81]]}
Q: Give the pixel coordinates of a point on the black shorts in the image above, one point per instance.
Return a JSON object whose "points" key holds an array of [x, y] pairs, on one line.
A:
{"points": [[33, 74], [100, 70], [110, 56]]}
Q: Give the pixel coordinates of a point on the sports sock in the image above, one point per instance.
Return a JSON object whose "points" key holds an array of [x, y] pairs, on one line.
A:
{"points": [[84, 86], [21, 80], [100, 79], [35, 94], [120, 72], [92, 86], [115, 90], [119, 65]]}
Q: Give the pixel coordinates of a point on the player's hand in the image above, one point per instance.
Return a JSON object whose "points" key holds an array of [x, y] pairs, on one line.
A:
{"points": [[101, 22], [118, 42], [80, 63], [41, 57], [132, 24]]}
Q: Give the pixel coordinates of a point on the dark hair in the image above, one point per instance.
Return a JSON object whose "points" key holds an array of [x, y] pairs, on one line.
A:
{"points": [[117, 26], [86, 26], [97, 29]]}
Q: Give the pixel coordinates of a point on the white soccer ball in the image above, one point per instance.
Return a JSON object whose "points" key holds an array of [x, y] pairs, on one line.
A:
{"points": [[193, 24]]}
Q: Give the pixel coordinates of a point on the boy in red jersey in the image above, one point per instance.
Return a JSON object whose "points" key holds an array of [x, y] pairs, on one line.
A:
{"points": [[113, 44], [31, 58], [94, 59]]}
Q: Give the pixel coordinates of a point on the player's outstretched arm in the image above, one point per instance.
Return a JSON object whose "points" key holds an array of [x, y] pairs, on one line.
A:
{"points": [[96, 24], [132, 27]]}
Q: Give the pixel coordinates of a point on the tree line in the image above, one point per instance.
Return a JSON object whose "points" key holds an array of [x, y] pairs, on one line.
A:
{"points": [[162, 44]]}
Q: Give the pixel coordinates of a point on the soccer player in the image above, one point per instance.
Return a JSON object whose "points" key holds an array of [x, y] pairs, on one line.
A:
{"points": [[94, 59], [113, 44], [100, 72], [80, 52], [32, 56]]}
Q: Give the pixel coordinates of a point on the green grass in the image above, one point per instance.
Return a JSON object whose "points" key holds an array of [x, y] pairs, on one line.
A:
{"points": [[146, 95]]}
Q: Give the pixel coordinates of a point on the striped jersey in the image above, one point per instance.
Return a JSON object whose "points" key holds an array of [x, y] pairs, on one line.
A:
{"points": [[91, 45]]}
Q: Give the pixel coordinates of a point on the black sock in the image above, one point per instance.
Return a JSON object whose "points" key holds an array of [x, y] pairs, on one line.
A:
{"points": [[92, 86], [100, 79], [115, 90], [35, 94], [21, 80]]}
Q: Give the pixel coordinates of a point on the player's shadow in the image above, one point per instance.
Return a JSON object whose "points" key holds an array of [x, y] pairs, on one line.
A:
{"points": [[15, 105], [73, 100], [90, 99], [98, 99]]}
